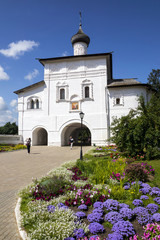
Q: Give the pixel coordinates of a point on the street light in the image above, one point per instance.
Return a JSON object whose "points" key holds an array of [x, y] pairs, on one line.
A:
{"points": [[81, 114]]}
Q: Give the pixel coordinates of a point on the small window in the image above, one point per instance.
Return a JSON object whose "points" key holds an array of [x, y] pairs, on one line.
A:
{"points": [[86, 92], [37, 104], [32, 104], [117, 101], [62, 93]]}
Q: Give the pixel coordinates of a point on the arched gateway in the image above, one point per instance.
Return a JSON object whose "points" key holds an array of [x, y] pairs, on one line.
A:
{"points": [[77, 133], [39, 137]]}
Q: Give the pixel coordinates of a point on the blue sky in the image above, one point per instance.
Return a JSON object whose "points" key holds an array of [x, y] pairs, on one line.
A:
{"points": [[33, 29]]}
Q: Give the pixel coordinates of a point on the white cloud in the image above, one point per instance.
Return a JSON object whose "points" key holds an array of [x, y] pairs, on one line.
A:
{"points": [[13, 103], [65, 53], [3, 105], [32, 75], [3, 74], [15, 49], [7, 115]]}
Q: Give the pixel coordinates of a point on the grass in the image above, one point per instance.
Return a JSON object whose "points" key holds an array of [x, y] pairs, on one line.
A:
{"points": [[156, 165]]}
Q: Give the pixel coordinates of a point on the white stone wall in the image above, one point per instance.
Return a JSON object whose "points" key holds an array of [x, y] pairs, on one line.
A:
{"points": [[128, 100], [11, 139], [80, 48], [55, 114]]}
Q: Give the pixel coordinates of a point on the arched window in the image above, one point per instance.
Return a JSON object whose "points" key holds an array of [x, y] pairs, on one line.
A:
{"points": [[62, 93], [37, 104], [86, 94], [117, 100], [32, 104]]}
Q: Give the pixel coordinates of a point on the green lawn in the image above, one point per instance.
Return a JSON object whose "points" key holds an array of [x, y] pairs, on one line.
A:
{"points": [[156, 165]]}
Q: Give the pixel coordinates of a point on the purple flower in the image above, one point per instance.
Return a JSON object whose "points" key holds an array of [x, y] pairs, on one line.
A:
{"points": [[124, 228], [144, 218], [126, 186], [79, 233], [83, 207], [155, 192], [123, 205], [156, 189], [146, 185], [113, 217], [144, 197], [137, 202], [51, 208], [156, 217], [98, 205], [80, 215], [95, 217], [111, 204], [139, 182], [96, 228], [98, 210], [61, 205], [144, 190], [152, 208], [140, 210], [157, 200], [114, 236], [126, 213]]}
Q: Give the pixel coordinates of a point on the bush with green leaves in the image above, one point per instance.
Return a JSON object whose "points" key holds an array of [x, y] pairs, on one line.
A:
{"points": [[99, 172], [49, 187], [138, 132], [137, 171], [9, 128]]}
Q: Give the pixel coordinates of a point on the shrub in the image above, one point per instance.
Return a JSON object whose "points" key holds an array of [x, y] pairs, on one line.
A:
{"points": [[137, 172], [49, 188]]}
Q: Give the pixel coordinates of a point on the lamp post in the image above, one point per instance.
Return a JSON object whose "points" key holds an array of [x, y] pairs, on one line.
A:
{"points": [[81, 114]]}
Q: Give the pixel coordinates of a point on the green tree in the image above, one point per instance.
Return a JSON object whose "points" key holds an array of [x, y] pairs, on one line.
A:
{"points": [[139, 131], [9, 128], [154, 80]]}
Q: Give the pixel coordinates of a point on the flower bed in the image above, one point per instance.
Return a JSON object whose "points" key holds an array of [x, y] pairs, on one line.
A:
{"points": [[11, 147], [66, 204]]}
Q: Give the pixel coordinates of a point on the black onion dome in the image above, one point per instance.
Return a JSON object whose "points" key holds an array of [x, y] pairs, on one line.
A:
{"points": [[80, 36]]}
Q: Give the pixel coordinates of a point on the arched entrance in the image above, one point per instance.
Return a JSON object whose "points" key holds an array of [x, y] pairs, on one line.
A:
{"points": [[39, 137], [77, 133]]}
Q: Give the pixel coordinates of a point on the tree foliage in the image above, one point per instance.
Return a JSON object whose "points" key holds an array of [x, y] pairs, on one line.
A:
{"points": [[154, 80], [139, 131], [9, 128]]}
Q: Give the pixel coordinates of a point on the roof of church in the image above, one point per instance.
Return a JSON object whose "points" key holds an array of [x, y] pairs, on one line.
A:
{"points": [[125, 83], [80, 36], [42, 60], [30, 86]]}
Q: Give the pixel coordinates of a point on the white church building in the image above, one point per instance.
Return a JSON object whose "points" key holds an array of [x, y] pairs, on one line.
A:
{"points": [[49, 110]]}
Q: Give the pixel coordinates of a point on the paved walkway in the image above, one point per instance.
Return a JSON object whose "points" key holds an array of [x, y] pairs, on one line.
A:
{"points": [[16, 171]]}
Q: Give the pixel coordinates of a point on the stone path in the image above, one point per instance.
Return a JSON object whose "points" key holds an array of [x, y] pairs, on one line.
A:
{"points": [[16, 171]]}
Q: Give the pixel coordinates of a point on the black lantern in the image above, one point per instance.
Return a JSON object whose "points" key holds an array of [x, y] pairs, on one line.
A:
{"points": [[81, 114]]}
